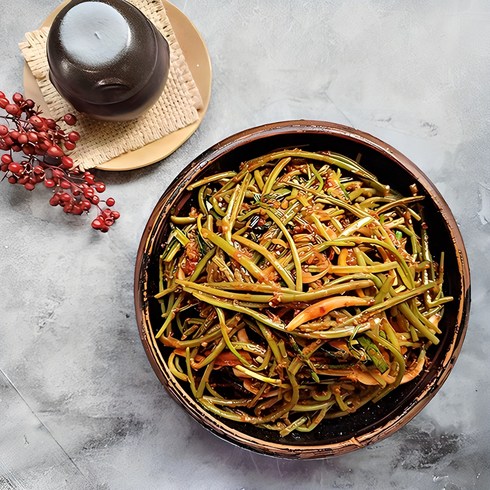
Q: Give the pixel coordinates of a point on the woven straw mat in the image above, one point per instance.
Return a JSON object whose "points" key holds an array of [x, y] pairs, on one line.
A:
{"points": [[102, 141]]}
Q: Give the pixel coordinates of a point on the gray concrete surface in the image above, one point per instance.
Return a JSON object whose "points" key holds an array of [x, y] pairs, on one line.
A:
{"points": [[79, 404]]}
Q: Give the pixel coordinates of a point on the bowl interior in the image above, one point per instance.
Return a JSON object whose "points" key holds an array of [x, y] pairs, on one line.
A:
{"points": [[373, 421]]}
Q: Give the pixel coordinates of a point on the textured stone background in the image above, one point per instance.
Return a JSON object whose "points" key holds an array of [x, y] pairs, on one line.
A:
{"points": [[79, 404]]}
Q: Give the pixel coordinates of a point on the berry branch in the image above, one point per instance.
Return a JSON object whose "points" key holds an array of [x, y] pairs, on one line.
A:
{"points": [[36, 150]]}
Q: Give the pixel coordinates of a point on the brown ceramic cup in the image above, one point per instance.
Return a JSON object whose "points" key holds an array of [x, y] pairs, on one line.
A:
{"points": [[372, 422], [107, 59]]}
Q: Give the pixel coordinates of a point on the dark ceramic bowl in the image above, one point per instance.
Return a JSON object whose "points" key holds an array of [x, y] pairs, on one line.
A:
{"points": [[107, 59], [372, 422]]}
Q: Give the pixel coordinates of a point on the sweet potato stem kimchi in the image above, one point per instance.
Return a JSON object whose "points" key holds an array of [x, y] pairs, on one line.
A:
{"points": [[297, 289]]}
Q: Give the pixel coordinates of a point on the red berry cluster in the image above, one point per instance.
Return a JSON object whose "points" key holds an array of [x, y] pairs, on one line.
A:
{"points": [[36, 151]]}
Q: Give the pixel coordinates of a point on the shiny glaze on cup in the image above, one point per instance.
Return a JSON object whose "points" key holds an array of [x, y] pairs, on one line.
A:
{"points": [[107, 59]]}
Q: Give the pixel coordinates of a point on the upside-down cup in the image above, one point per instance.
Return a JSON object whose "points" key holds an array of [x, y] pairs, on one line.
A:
{"points": [[107, 59]]}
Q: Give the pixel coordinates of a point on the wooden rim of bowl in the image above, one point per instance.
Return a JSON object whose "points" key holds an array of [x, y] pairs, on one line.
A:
{"points": [[149, 242]]}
